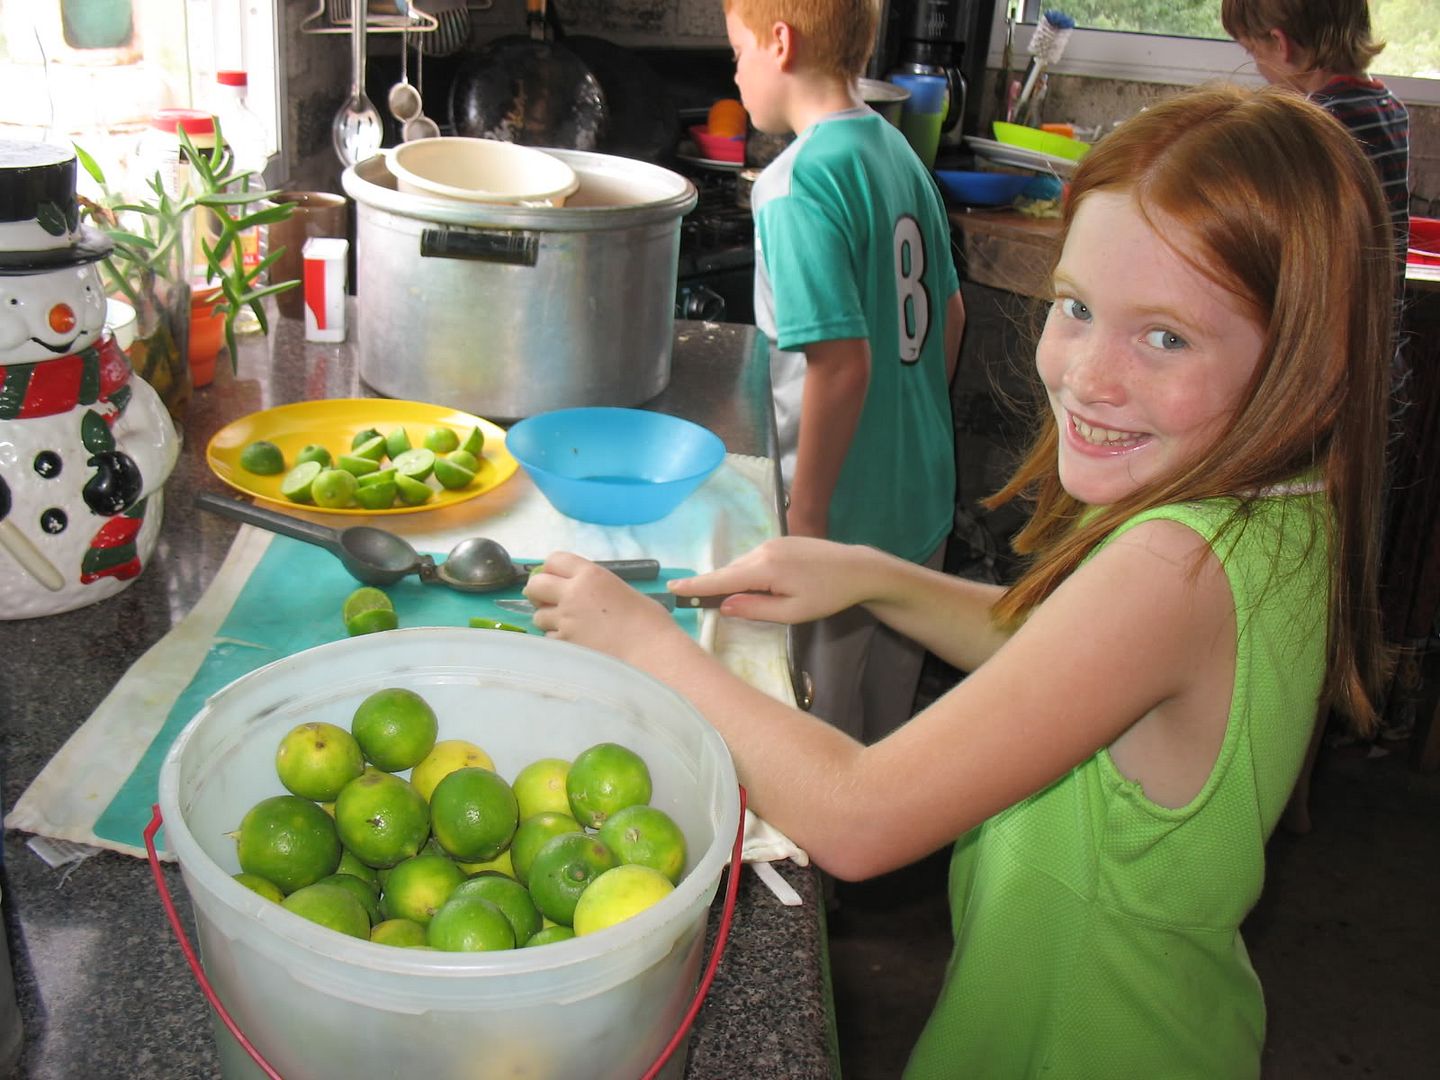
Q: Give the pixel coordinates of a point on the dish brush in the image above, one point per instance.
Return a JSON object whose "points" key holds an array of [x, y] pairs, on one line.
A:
{"points": [[1052, 34]]}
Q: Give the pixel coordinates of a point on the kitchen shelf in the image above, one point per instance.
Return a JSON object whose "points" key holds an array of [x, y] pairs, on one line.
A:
{"points": [[333, 21]]}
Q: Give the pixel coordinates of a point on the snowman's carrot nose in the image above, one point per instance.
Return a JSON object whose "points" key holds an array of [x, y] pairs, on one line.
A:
{"points": [[62, 318]]}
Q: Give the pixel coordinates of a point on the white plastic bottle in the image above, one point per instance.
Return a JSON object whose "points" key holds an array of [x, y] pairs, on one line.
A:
{"points": [[245, 134]]}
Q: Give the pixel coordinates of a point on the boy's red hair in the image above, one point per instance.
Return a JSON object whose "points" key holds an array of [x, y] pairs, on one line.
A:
{"points": [[838, 35]]}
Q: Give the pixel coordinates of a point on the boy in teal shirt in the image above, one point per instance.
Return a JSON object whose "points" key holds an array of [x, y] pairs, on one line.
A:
{"points": [[858, 295]]}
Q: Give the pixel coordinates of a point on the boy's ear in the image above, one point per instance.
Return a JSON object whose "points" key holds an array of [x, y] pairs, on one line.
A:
{"points": [[1286, 51], [782, 43]]}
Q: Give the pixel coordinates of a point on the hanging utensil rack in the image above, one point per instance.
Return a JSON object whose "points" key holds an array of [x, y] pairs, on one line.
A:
{"points": [[334, 17]]}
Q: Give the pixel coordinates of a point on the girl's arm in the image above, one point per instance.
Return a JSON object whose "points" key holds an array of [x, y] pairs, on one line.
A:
{"points": [[808, 579], [1136, 635]]}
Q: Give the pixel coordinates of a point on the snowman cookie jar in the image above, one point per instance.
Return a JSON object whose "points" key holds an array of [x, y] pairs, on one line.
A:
{"points": [[85, 445]]}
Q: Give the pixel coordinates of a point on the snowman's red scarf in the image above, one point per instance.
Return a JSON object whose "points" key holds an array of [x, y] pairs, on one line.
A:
{"points": [[51, 387]]}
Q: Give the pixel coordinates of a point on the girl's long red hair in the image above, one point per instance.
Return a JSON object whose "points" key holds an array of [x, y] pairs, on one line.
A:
{"points": [[1286, 212]]}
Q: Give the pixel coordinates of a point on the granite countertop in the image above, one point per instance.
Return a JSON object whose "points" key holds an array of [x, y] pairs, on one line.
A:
{"points": [[102, 986]]}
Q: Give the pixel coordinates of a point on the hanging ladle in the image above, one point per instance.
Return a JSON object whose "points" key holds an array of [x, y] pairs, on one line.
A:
{"points": [[376, 557]]}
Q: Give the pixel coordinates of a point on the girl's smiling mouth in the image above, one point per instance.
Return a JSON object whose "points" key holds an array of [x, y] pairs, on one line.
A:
{"points": [[1091, 436]]}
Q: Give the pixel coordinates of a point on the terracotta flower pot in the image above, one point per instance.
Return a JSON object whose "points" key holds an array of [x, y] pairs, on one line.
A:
{"points": [[207, 334]]}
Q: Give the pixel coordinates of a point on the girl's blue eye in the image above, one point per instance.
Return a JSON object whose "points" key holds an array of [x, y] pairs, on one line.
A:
{"points": [[1165, 339], [1074, 309]]}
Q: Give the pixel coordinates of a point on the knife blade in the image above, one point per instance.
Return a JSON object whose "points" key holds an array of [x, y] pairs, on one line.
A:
{"points": [[667, 600]]}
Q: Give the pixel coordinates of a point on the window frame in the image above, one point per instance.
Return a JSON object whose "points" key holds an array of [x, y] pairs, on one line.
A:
{"points": [[1161, 58]]}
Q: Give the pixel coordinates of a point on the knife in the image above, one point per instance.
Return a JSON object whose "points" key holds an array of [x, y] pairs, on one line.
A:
{"points": [[667, 600]]}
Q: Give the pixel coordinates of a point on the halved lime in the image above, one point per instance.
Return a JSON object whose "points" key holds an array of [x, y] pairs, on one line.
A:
{"points": [[465, 458], [372, 448], [262, 458], [451, 474], [379, 496], [442, 440], [417, 464], [368, 610], [356, 465], [397, 442], [333, 489], [379, 476], [474, 442], [412, 492], [314, 452], [362, 437], [296, 485]]}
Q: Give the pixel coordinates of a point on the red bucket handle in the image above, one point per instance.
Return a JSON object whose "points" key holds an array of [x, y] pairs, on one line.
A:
{"points": [[722, 935]]}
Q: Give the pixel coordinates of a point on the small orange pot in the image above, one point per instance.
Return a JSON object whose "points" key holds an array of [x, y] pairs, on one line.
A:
{"points": [[207, 334]]}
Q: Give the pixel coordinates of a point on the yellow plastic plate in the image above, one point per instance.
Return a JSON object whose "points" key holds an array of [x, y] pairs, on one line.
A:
{"points": [[333, 424]]}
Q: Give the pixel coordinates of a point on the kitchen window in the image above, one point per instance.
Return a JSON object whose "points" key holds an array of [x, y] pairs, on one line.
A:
{"points": [[1182, 42]]}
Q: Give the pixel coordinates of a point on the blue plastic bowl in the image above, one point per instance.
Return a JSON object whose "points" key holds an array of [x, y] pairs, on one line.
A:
{"points": [[614, 466], [981, 188]]}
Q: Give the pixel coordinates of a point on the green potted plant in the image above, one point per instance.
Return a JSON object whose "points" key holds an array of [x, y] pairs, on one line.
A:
{"points": [[149, 264]]}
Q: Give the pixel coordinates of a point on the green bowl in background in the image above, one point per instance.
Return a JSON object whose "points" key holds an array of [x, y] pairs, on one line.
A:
{"points": [[1042, 142]]}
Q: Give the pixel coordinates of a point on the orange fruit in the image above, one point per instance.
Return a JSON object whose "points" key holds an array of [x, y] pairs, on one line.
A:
{"points": [[470, 924], [531, 835], [727, 118], [418, 887], [444, 758], [605, 779], [330, 906], [617, 894], [647, 836], [395, 728], [316, 760], [399, 932], [473, 814], [288, 841], [540, 786], [510, 897], [562, 870], [381, 818]]}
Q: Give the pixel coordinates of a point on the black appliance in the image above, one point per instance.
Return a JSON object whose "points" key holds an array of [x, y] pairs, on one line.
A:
{"points": [[715, 277], [940, 37]]}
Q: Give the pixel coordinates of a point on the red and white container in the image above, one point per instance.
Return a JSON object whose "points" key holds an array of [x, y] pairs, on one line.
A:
{"points": [[324, 285]]}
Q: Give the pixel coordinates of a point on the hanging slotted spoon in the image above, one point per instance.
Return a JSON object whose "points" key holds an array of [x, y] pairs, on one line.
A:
{"points": [[357, 131]]}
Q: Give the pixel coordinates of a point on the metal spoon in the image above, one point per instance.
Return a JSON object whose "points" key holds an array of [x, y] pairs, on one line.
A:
{"points": [[357, 131], [419, 126], [482, 565], [371, 556], [404, 99], [376, 557]]}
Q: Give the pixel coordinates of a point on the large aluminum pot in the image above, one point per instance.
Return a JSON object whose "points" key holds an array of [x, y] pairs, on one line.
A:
{"points": [[506, 310]]}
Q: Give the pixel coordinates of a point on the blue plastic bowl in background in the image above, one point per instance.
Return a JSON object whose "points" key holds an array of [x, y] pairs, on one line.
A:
{"points": [[613, 466], [981, 188]]}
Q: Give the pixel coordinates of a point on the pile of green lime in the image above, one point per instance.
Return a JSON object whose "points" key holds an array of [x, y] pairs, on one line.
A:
{"points": [[358, 477], [453, 856]]}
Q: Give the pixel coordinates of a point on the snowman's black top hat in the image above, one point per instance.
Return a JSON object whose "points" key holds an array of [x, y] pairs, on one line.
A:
{"points": [[40, 226]]}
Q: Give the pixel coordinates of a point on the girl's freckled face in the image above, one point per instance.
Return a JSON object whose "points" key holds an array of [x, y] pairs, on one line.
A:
{"points": [[1144, 358]]}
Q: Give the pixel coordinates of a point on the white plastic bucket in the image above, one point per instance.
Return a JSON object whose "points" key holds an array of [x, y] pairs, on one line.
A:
{"points": [[481, 170], [317, 1004]]}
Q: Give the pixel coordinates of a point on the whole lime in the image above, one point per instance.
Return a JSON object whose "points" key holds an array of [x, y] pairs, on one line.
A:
{"points": [[532, 834], [399, 932], [648, 836], [445, 757], [562, 870], [395, 728], [470, 924], [473, 814], [419, 886], [263, 458], [317, 759], [510, 897], [618, 894], [604, 779], [381, 818], [288, 841], [330, 906], [540, 786]]}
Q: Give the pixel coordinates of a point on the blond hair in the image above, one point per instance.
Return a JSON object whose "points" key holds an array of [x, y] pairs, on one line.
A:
{"points": [[1335, 34], [838, 35], [1288, 216]]}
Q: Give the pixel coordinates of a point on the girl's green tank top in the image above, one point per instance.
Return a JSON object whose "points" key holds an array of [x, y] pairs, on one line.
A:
{"points": [[1097, 934]]}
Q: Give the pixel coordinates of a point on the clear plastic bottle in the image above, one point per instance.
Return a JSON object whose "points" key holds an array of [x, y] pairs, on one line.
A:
{"points": [[246, 136]]}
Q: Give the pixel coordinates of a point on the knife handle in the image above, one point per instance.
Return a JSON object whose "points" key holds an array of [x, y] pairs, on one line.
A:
{"points": [[707, 601]]}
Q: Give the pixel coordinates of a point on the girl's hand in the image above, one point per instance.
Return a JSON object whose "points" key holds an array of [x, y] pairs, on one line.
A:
{"points": [[805, 578], [575, 600]]}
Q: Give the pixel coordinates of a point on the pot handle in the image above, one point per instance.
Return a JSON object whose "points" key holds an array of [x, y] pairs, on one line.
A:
{"points": [[722, 935], [479, 245]]}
